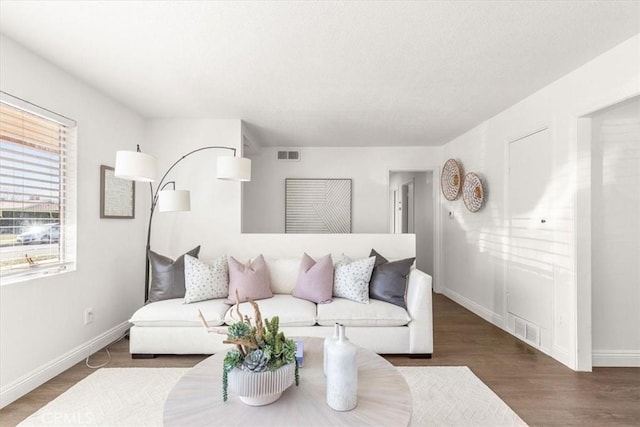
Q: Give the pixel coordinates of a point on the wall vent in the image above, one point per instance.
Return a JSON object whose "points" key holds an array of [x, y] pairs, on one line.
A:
{"points": [[527, 331], [532, 334], [520, 328], [288, 155]]}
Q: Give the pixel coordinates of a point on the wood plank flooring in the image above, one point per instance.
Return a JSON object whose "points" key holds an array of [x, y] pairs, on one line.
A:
{"points": [[540, 390]]}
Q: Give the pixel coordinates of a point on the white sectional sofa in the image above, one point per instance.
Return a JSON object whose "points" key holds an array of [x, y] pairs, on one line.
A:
{"points": [[172, 327]]}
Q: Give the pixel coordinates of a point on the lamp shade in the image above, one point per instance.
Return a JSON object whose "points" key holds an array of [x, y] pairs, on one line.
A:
{"points": [[174, 201], [234, 168], [135, 166]]}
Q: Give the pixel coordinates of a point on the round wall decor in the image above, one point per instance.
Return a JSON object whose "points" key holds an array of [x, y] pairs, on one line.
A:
{"points": [[451, 180], [472, 192]]}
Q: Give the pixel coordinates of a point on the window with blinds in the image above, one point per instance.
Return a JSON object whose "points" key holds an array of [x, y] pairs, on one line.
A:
{"points": [[37, 191]]}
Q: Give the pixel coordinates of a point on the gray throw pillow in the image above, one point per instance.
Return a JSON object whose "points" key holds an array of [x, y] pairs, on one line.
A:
{"points": [[167, 276], [389, 279]]}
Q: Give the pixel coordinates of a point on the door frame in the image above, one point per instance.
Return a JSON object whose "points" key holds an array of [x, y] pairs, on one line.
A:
{"points": [[584, 345], [583, 240], [437, 282]]}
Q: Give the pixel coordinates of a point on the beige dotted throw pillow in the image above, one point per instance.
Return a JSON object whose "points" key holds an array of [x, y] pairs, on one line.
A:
{"points": [[351, 278], [203, 281]]}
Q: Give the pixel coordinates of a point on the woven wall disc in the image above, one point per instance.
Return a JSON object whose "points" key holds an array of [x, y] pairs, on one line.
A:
{"points": [[472, 192], [451, 180]]}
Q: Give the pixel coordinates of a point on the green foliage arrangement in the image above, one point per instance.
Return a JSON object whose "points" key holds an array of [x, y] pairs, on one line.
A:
{"points": [[258, 348]]}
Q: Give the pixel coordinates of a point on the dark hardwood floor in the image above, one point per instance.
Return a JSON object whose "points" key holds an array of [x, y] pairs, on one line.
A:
{"points": [[540, 390]]}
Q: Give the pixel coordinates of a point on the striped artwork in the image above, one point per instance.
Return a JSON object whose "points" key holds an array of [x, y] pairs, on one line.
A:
{"points": [[317, 205]]}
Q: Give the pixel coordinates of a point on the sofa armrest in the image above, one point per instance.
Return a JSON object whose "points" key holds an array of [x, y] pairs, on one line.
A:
{"points": [[420, 309]]}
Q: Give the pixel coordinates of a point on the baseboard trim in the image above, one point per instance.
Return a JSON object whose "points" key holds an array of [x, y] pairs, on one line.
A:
{"points": [[475, 308], [561, 354], [615, 358], [44, 373]]}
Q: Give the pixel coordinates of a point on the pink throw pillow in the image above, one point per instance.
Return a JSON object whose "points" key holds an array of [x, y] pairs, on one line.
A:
{"points": [[250, 280], [315, 280]]}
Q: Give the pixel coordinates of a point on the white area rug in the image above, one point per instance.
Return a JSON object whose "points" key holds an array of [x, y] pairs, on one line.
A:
{"points": [[111, 397], [454, 396], [442, 396]]}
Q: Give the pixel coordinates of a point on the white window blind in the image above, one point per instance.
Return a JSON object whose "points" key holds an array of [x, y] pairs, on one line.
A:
{"points": [[37, 191]]}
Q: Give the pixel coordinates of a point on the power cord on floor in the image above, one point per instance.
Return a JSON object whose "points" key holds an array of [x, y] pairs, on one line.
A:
{"points": [[106, 349]]}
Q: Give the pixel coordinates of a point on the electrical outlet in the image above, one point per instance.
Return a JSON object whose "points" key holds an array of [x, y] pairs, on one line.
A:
{"points": [[88, 316], [562, 321]]}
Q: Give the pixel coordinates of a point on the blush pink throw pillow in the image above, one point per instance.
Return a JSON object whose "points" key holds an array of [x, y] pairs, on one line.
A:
{"points": [[315, 280], [250, 280]]}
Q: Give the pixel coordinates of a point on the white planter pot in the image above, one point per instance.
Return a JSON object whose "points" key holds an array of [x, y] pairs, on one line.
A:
{"points": [[261, 388]]}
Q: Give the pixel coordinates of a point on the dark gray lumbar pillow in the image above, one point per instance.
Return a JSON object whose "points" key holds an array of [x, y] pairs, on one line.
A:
{"points": [[389, 279], [167, 276]]}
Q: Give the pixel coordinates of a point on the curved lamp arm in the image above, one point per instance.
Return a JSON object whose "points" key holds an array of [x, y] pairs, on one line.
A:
{"points": [[154, 201]]}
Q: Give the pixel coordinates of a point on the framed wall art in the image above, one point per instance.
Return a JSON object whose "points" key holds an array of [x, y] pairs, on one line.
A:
{"points": [[317, 205], [117, 195]]}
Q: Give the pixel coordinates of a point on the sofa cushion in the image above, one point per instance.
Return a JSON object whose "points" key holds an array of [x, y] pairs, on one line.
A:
{"points": [[315, 279], [352, 278], [283, 273], [173, 312], [204, 281], [167, 276], [250, 280], [351, 313], [389, 279], [292, 311]]}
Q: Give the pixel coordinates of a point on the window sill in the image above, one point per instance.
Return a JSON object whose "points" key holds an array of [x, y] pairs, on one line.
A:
{"points": [[36, 273]]}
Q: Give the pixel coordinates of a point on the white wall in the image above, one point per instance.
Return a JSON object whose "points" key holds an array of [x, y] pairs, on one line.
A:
{"points": [[369, 168], [215, 204], [42, 329], [475, 247], [615, 233]]}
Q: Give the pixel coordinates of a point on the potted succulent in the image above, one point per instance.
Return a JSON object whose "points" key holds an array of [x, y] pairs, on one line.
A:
{"points": [[263, 364]]}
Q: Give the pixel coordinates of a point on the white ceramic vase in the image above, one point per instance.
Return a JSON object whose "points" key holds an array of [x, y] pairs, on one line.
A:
{"points": [[261, 388], [328, 341], [342, 374]]}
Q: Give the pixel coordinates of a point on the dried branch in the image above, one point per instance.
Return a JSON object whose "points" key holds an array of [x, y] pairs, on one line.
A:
{"points": [[210, 329], [242, 344], [237, 306], [247, 320], [258, 319]]}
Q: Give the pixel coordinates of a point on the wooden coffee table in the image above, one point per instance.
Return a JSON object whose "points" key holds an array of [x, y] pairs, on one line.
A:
{"points": [[384, 398]]}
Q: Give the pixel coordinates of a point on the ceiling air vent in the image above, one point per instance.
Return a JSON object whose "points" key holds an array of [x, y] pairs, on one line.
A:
{"points": [[289, 155]]}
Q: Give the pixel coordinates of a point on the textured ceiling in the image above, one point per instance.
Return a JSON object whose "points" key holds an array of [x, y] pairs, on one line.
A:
{"points": [[322, 73]]}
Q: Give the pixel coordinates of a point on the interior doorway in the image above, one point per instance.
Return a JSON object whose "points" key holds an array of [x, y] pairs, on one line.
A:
{"points": [[411, 210], [609, 236], [403, 208]]}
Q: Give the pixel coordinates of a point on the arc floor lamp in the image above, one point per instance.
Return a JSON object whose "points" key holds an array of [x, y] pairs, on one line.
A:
{"points": [[139, 166]]}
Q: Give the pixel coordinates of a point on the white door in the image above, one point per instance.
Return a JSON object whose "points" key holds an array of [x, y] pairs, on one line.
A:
{"points": [[530, 266]]}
